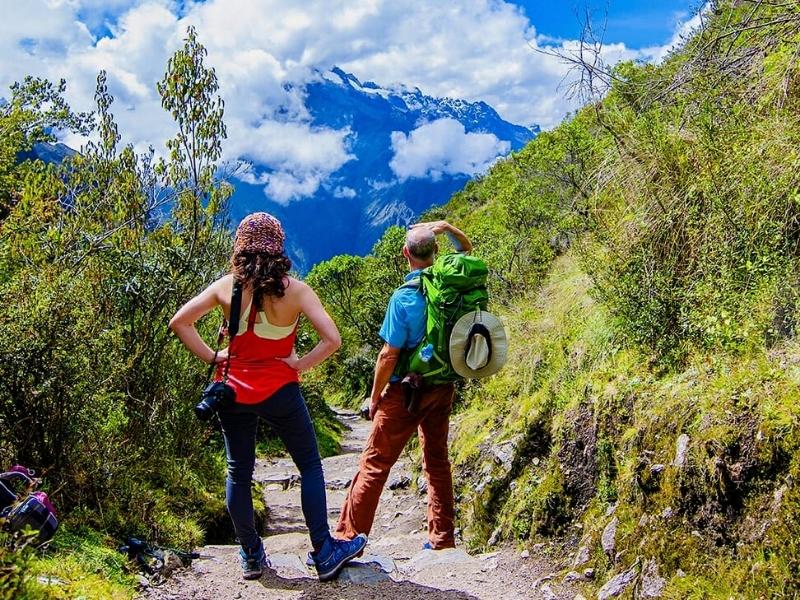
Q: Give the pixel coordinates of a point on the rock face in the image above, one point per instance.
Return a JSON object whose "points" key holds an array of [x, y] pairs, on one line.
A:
{"points": [[577, 455], [681, 451], [617, 584], [581, 557], [651, 585], [609, 538]]}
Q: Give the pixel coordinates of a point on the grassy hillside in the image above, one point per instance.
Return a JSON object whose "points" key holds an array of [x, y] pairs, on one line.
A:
{"points": [[644, 256], [668, 324]]}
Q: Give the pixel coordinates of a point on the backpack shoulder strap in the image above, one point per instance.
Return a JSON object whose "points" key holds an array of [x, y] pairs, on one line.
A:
{"points": [[411, 284], [236, 309]]}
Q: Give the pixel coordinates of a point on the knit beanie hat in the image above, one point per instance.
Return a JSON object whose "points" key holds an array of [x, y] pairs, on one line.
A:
{"points": [[259, 233]]}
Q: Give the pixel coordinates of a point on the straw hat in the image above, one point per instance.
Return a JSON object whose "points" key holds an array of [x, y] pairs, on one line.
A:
{"points": [[478, 345]]}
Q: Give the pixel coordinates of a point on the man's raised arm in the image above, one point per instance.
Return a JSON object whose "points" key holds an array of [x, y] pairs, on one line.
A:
{"points": [[457, 237]]}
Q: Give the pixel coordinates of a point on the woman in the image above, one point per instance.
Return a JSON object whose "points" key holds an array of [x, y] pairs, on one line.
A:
{"points": [[263, 370]]}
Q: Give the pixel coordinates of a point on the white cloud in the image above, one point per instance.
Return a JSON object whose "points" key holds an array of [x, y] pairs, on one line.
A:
{"points": [[283, 187], [302, 156], [343, 191], [444, 147], [263, 50]]}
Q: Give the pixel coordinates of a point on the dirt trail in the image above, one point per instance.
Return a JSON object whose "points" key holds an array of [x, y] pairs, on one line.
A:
{"points": [[394, 566]]}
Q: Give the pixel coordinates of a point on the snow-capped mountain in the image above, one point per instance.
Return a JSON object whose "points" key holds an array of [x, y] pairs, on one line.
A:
{"points": [[350, 211], [379, 185]]}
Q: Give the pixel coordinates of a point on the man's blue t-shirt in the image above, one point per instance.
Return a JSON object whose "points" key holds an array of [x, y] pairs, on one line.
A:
{"points": [[404, 324]]}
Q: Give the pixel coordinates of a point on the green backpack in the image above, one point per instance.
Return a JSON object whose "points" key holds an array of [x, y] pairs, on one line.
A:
{"points": [[453, 286]]}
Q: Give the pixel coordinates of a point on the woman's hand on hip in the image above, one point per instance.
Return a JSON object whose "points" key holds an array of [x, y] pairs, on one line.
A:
{"points": [[220, 357], [292, 360]]}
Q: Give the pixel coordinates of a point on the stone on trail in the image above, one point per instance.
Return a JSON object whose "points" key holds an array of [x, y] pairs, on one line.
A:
{"points": [[400, 483], [384, 563], [609, 538], [494, 538], [617, 584], [172, 563], [363, 412], [289, 565], [280, 481], [435, 558], [547, 593], [337, 484], [363, 573], [538, 582]]}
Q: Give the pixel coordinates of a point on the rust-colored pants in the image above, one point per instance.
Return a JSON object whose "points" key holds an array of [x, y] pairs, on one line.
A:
{"points": [[392, 427]]}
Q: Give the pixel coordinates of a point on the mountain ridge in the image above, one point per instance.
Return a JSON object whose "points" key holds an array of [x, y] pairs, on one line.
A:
{"points": [[350, 210]]}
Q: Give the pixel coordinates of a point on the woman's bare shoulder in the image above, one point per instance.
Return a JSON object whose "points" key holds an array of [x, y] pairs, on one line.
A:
{"points": [[223, 287], [295, 286]]}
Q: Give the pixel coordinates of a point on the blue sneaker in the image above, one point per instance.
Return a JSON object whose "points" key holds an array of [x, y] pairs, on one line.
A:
{"points": [[253, 562], [335, 554]]}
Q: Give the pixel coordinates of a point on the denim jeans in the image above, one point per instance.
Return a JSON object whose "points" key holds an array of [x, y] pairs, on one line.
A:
{"points": [[285, 411]]}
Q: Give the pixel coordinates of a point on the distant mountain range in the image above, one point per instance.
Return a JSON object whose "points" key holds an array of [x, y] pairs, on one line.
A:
{"points": [[351, 210], [329, 222]]}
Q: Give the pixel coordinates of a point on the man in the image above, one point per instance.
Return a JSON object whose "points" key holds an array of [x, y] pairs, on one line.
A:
{"points": [[393, 425]]}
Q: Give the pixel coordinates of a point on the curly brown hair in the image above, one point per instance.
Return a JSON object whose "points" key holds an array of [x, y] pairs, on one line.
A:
{"points": [[265, 273]]}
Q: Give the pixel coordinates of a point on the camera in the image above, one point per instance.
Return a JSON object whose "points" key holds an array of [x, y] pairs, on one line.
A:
{"points": [[215, 397], [412, 391]]}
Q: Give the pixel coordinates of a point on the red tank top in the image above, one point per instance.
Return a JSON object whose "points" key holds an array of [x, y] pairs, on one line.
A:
{"points": [[255, 370]]}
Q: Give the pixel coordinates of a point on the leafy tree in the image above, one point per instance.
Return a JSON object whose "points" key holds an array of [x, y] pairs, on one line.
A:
{"points": [[95, 257], [34, 112]]}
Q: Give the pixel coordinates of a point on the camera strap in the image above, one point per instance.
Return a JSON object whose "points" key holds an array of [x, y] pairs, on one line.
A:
{"points": [[233, 330]]}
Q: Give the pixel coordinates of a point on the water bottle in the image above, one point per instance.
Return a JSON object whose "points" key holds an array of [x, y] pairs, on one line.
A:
{"points": [[426, 353]]}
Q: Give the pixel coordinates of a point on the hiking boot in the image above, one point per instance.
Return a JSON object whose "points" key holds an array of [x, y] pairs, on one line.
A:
{"points": [[253, 562], [335, 554]]}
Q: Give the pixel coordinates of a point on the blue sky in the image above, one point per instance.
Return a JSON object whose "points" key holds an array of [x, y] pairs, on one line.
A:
{"points": [[637, 23], [264, 51]]}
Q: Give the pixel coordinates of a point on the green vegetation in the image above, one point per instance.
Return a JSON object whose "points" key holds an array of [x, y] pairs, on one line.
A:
{"points": [[95, 257], [645, 257], [645, 260]]}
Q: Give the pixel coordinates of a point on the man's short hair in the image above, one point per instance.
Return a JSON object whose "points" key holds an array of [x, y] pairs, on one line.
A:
{"points": [[421, 243]]}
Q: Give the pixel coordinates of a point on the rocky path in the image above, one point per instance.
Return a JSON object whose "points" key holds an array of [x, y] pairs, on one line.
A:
{"points": [[394, 567]]}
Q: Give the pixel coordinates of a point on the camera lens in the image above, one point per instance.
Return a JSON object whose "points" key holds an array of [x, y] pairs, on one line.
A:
{"points": [[205, 408]]}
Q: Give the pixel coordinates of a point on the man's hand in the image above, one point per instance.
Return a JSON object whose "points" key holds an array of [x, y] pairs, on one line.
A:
{"points": [[373, 408], [436, 227], [457, 237]]}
